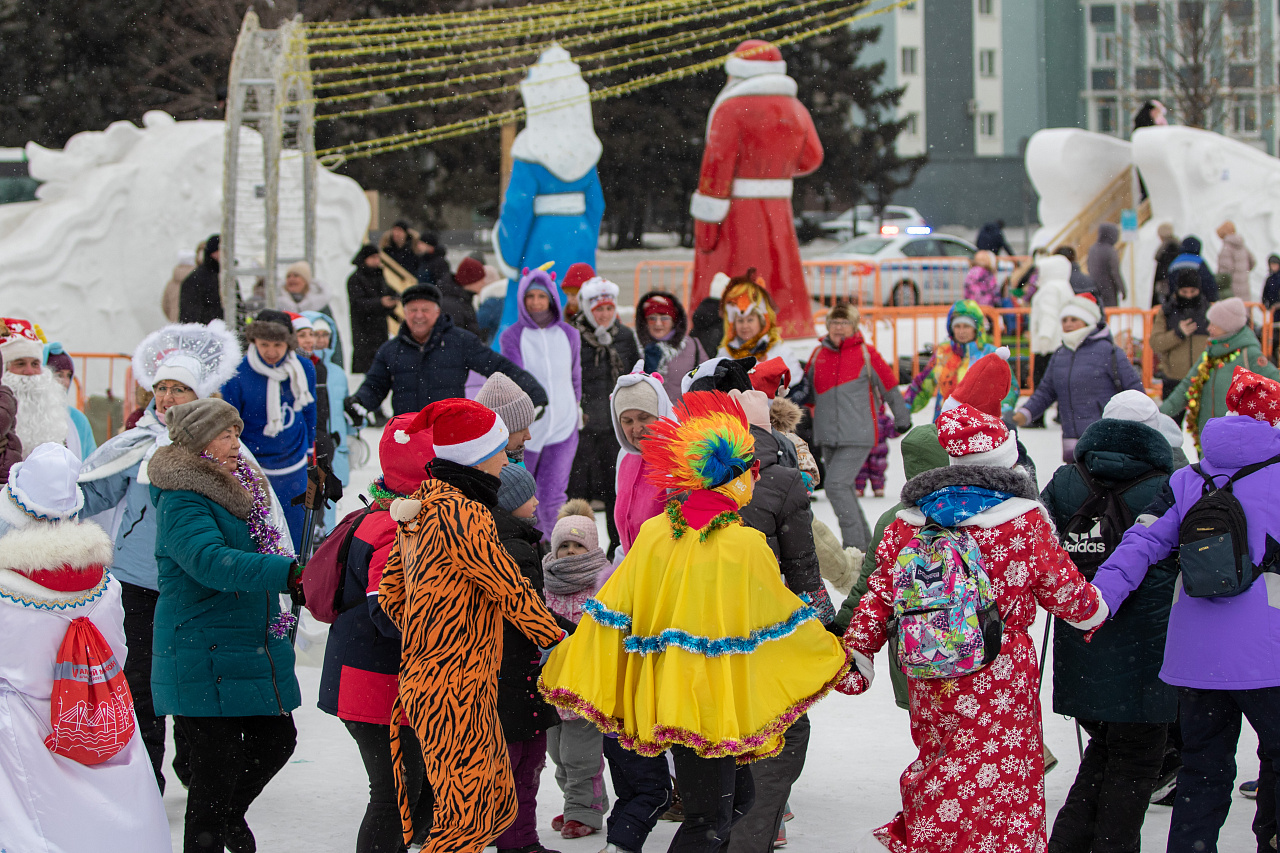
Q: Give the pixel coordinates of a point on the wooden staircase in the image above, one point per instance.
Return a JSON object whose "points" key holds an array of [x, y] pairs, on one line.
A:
{"points": [[1082, 231]]}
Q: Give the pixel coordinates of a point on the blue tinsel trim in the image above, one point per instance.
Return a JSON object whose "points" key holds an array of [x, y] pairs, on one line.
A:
{"points": [[708, 647], [606, 617]]}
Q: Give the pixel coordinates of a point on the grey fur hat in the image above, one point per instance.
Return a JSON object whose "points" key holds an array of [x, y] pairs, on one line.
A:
{"points": [[193, 425]]}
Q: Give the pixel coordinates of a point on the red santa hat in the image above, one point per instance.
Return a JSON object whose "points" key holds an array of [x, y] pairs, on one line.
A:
{"points": [[20, 339], [971, 437], [769, 376], [404, 456], [985, 385], [1255, 396], [577, 275], [299, 322], [753, 57], [1082, 306], [463, 431]]}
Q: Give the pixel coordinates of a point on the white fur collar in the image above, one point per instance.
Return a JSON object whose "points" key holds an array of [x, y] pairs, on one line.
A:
{"points": [[993, 517], [41, 546], [761, 84]]}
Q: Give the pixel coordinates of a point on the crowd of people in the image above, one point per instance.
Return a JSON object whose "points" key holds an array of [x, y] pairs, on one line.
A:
{"points": [[480, 622]]}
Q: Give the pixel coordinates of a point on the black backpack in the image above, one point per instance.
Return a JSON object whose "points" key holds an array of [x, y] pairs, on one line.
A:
{"points": [[1099, 524], [1213, 540]]}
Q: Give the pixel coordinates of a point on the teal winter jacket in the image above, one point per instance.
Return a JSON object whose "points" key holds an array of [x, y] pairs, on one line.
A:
{"points": [[213, 654]]}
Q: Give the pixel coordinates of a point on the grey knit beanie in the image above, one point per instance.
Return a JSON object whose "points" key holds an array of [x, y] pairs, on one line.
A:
{"points": [[193, 425], [505, 397], [516, 489], [640, 396]]}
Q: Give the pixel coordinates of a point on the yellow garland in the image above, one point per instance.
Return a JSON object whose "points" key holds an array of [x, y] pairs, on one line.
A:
{"points": [[1196, 389], [403, 141]]}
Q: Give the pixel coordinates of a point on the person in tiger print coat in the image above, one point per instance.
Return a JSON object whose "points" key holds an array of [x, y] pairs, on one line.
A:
{"points": [[447, 585]]}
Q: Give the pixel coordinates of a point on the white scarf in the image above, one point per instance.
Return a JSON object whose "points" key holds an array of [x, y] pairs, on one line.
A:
{"points": [[290, 369], [1073, 339]]}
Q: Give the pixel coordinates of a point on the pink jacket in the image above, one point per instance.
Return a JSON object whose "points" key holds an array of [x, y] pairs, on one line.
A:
{"points": [[981, 286], [638, 500]]}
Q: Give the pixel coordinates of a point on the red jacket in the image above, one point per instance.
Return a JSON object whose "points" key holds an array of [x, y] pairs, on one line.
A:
{"points": [[761, 131], [844, 405]]}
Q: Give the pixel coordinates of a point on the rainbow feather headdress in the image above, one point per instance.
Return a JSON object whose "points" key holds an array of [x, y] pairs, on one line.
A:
{"points": [[709, 445]]}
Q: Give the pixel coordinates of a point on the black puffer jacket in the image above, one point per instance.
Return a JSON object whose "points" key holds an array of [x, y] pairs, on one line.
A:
{"points": [[601, 367], [365, 289], [419, 374], [1116, 677], [779, 509], [199, 296], [455, 300], [521, 709]]}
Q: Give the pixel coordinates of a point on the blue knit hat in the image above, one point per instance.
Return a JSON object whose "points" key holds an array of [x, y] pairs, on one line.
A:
{"points": [[516, 489]]}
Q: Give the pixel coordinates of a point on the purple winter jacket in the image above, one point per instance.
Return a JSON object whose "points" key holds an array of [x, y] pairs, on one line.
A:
{"points": [[1082, 381], [553, 356], [1213, 643]]}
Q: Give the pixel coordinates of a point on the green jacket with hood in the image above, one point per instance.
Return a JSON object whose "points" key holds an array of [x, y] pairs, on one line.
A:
{"points": [[921, 452], [1213, 396]]}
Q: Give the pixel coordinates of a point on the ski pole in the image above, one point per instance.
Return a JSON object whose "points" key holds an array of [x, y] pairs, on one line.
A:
{"points": [[314, 500], [1044, 649]]}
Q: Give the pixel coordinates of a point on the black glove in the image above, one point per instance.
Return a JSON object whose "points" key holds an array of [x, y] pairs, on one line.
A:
{"points": [[356, 413]]}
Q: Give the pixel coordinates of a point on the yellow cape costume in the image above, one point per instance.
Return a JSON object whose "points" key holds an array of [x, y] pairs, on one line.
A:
{"points": [[696, 641]]}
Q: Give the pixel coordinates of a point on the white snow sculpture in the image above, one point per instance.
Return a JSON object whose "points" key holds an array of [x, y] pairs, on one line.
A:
{"points": [[89, 258], [1198, 179], [1069, 167]]}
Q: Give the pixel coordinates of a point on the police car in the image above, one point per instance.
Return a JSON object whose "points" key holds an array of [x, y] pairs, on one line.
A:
{"points": [[916, 266]]}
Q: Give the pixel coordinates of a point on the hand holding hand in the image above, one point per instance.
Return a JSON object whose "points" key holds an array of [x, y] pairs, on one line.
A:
{"points": [[1020, 418]]}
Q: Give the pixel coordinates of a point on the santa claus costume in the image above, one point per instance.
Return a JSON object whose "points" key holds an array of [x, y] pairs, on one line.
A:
{"points": [[978, 783], [759, 137], [42, 401], [53, 569]]}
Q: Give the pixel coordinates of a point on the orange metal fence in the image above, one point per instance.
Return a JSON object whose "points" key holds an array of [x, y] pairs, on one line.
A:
{"points": [[109, 375], [893, 282]]}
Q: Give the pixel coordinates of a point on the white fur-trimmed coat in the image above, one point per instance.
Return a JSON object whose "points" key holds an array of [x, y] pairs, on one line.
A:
{"points": [[48, 803]]}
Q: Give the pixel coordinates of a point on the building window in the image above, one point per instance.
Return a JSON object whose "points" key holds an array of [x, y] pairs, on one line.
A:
{"points": [[985, 7], [1244, 115], [911, 124], [1146, 78], [1239, 10], [1190, 10], [1103, 16], [1149, 47], [1104, 48], [1106, 115], [910, 55], [1146, 14], [986, 63], [1240, 76], [987, 124], [1103, 79], [910, 7]]}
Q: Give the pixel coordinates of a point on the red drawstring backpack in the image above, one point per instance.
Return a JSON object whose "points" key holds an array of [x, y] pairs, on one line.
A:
{"points": [[91, 709]]}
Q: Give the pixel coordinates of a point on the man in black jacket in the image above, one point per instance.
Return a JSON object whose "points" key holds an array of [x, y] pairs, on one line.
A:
{"points": [[991, 239], [429, 360], [199, 295]]}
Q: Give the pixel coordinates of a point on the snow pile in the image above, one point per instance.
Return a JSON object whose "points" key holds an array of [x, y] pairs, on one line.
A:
{"points": [[89, 259]]}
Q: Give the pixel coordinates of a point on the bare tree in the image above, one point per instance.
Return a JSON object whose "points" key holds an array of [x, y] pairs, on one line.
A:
{"points": [[1195, 58]]}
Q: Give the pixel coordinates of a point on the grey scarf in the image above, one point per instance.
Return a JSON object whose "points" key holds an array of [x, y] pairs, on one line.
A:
{"points": [[569, 575]]}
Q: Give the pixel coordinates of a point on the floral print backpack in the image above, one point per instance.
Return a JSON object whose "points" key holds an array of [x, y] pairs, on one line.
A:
{"points": [[946, 620]]}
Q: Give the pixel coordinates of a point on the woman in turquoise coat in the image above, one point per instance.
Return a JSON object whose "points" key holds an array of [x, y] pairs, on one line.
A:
{"points": [[223, 666]]}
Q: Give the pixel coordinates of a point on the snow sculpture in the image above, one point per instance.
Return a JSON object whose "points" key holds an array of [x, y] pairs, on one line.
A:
{"points": [[554, 204], [89, 258], [759, 137], [1069, 168]]}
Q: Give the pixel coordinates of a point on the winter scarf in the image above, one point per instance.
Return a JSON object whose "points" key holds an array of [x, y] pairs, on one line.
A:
{"points": [[1072, 340], [953, 504], [472, 482], [130, 448], [768, 337], [290, 369], [569, 575], [600, 339]]}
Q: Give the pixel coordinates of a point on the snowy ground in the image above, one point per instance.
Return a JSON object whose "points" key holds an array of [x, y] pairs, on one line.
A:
{"points": [[858, 748]]}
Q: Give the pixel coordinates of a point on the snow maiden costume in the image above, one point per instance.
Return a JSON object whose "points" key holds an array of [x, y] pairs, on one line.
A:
{"points": [[278, 405], [979, 780], [554, 203], [550, 350], [695, 644], [759, 137], [53, 570]]}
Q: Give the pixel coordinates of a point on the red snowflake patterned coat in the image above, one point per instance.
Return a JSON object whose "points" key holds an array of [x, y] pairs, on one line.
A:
{"points": [[978, 783]]}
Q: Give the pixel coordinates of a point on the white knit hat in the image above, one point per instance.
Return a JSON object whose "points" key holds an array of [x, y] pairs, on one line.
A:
{"points": [[1082, 306], [42, 487]]}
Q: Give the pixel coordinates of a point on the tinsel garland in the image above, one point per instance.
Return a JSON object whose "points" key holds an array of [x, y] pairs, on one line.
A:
{"points": [[679, 525], [264, 534], [381, 494], [1195, 389]]}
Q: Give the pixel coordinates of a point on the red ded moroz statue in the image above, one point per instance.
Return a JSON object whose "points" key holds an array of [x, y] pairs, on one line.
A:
{"points": [[759, 137]]}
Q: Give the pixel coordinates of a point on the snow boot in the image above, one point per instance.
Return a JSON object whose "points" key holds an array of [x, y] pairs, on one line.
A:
{"points": [[576, 829], [239, 839]]}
